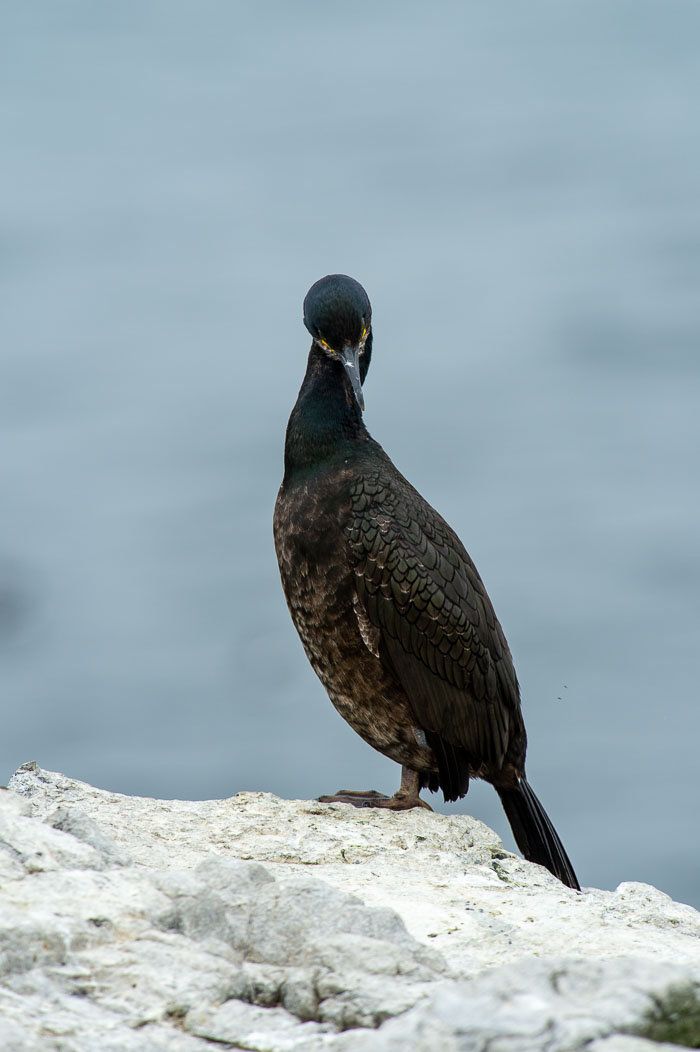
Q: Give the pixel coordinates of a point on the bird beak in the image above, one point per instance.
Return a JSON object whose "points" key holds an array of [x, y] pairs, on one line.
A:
{"points": [[351, 361]]}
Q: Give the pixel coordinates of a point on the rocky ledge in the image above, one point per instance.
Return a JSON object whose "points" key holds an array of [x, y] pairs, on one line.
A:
{"points": [[131, 925]]}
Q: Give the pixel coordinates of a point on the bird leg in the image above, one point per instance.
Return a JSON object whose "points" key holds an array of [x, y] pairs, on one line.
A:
{"points": [[405, 797]]}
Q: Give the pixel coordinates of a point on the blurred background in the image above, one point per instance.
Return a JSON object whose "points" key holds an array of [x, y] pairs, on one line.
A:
{"points": [[518, 189]]}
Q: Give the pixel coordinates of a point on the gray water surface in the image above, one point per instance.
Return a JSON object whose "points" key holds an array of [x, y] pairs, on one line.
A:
{"points": [[518, 188]]}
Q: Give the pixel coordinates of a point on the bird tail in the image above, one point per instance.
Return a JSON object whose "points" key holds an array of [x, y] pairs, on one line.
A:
{"points": [[534, 833]]}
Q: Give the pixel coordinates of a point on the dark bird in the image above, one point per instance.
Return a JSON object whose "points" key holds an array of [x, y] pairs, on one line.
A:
{"points": [[390, 609]]}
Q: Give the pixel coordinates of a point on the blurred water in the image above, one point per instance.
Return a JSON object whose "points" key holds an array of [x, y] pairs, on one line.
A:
{"points": [[519, 191]]}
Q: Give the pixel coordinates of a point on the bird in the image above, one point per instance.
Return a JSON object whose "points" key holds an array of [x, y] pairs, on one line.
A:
{"points": [[390, 609]]}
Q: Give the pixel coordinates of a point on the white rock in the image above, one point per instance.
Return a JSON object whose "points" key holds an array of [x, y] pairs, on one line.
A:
{"points": [[526, 1007], [128, 923], [626, 1043]]}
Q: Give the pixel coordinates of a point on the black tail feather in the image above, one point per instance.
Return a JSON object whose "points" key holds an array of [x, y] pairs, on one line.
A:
{"points": [[534, 833]]}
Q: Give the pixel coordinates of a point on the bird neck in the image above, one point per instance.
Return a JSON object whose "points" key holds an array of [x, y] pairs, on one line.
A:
{"points": [[326, 420]]}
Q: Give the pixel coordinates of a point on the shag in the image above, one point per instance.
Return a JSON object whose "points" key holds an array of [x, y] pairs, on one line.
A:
{"points": [[390, 609]]}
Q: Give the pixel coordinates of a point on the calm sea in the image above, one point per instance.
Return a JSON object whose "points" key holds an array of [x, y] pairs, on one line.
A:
{"points": [[518, 188]]}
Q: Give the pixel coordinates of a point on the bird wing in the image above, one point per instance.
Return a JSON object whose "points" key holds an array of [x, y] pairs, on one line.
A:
{"points": [[438, 628]]}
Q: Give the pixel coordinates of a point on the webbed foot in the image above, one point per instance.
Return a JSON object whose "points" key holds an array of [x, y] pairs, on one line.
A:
{"points": [[370, 798]]}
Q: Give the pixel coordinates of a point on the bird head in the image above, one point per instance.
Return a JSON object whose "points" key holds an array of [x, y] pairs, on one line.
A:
{"points": [[338, 314]]}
